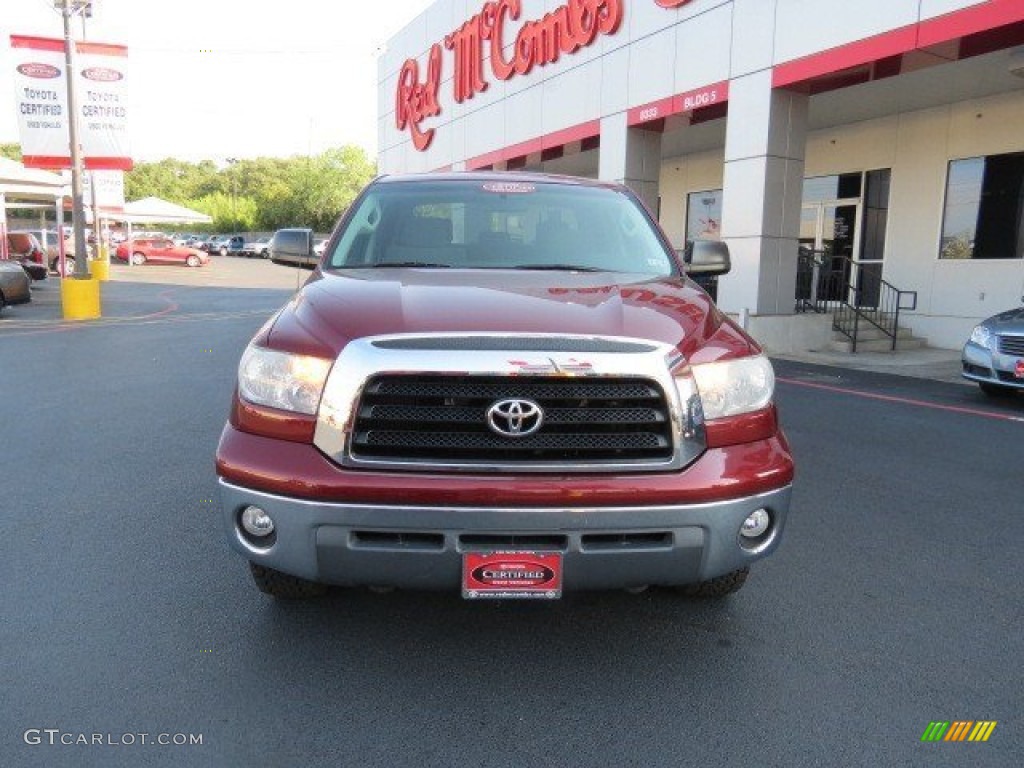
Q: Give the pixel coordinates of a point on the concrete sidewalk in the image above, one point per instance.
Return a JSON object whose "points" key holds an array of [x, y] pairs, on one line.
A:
{"points": [[927, 363]]}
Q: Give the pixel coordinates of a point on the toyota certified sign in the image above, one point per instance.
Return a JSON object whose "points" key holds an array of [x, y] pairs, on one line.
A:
{"points": [[41, 102]]}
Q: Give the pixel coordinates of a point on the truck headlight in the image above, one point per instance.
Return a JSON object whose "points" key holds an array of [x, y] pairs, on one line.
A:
{"points": [[281, 380], [733, 387], [981, 335]]}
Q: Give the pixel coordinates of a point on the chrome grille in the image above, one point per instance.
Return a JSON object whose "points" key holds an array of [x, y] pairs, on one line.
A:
{"points": [[1011, 345], [439, 418]]}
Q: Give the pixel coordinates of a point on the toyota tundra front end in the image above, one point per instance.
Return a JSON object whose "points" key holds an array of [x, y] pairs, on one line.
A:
{"points": [[502, 385]]}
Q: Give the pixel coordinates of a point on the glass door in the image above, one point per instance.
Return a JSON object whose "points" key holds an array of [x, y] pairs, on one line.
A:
{"points": [[831, 229]]}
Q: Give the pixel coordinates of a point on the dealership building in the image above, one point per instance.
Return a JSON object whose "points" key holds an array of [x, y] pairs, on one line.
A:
{"points": [[886, 136]]}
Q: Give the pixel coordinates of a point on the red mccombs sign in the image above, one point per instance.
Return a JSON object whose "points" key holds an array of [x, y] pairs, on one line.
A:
{"points": [[565, 30]]}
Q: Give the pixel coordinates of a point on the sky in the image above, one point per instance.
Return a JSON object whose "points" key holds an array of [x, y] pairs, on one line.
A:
{"points": [[212, 79]]}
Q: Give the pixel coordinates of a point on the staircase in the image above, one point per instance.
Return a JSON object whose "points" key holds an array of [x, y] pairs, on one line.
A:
{"points": [[865, 308], [871, 338]]}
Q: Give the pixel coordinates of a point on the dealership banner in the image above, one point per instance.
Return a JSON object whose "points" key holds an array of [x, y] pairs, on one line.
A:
{"points": [[109, 190], [41, 101]]}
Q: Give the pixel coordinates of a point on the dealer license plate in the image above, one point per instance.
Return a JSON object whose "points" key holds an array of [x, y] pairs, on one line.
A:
{"points": [[512, 575]]}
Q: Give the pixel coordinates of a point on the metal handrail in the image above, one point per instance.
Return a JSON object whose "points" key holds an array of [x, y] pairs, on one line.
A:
{"points": [[827, 282]]}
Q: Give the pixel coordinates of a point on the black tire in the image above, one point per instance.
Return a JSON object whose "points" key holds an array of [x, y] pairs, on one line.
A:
{"points": [[3, 302], [192, 261], [284, 586], [718, 587], [138, 259], [995, 390]]}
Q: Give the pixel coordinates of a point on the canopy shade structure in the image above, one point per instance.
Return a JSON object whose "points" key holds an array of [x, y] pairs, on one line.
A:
{"points": [[19, 182], [153, 210]]}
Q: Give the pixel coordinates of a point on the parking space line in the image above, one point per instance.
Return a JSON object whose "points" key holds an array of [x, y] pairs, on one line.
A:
{"points": [[903, 400]]}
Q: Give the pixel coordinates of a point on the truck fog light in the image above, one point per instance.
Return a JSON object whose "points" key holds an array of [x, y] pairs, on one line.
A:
{"points": [[756, 524], [256, 522]]}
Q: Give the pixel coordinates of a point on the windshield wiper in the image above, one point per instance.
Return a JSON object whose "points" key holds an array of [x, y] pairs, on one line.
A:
{"points": [[560, 267], [400, 264]]}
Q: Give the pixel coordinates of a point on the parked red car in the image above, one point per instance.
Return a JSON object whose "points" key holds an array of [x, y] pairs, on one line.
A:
{"points": [[159, 250]]}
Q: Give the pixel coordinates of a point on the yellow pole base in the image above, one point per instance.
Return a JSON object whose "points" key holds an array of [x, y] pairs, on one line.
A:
{"points": [[80, 299], [100, 269]]}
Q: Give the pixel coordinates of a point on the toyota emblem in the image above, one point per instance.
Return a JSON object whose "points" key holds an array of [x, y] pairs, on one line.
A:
{"points": [[515, 418]]}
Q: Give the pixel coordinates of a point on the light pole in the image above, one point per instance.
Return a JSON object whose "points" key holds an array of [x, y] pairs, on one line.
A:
{"points": [[234, 209], [68, 8]]}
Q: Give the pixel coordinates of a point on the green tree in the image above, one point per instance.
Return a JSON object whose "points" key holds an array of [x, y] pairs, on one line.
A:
{"points": [[262, 193], [229, 213], [12, 151]]}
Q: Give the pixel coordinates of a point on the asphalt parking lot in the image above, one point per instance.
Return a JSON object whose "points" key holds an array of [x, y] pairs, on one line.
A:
{"points": [[893, 601]]}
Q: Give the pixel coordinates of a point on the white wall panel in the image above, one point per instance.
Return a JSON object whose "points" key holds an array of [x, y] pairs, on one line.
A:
{"points": [[386, 94], [932, 8], [411, 41], [651, 63], [485, 131], [702, 49], [859, 147], [523, 119], [571, 98], [803, 27], [915, 202], [615, 81], [646, 18], [612, 163], [987, 126], [750, 113], [753, 35], [458, 131], [442, 18], [744, 215], [975, 289], [440, 151]]}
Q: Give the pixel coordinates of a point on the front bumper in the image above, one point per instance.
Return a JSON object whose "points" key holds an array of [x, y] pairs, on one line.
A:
{"points": [[421, 547], [982, 365]]}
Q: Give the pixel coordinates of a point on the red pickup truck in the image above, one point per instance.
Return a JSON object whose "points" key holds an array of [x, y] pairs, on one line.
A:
{"points": [[503, 385]]}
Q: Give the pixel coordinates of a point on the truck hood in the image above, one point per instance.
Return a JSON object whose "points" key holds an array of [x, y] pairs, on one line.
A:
{"points": [[334, 308]]}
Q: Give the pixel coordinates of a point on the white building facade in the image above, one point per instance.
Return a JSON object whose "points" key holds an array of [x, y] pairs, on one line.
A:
{"points": [[889, 132]]}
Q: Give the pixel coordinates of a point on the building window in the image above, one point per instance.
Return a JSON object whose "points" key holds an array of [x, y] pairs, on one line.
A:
{"points": [[876, 215], [819, 189], [984, 215], [704, 215]]}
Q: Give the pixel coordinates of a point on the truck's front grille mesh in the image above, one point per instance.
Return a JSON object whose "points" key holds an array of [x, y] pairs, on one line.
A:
{"points": [[430, 418], [1011, 345]]}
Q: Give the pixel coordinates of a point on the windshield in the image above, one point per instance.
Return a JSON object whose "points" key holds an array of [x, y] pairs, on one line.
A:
{"points": [[487, 224]]}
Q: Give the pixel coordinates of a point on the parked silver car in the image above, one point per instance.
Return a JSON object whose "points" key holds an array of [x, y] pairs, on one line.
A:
{"points": [[259, 248], [994, 355], [14, 284]]}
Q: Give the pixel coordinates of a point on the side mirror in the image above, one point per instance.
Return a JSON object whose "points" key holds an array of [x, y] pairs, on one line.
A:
{"points": [[707, 257], [293, 247]]}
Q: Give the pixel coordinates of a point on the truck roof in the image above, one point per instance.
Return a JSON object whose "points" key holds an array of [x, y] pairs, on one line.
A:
{"points": [[502, 176]]}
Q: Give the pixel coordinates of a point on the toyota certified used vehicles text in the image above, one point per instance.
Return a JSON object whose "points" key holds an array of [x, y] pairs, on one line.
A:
{"points": [[502, 385], [994, 354]]}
